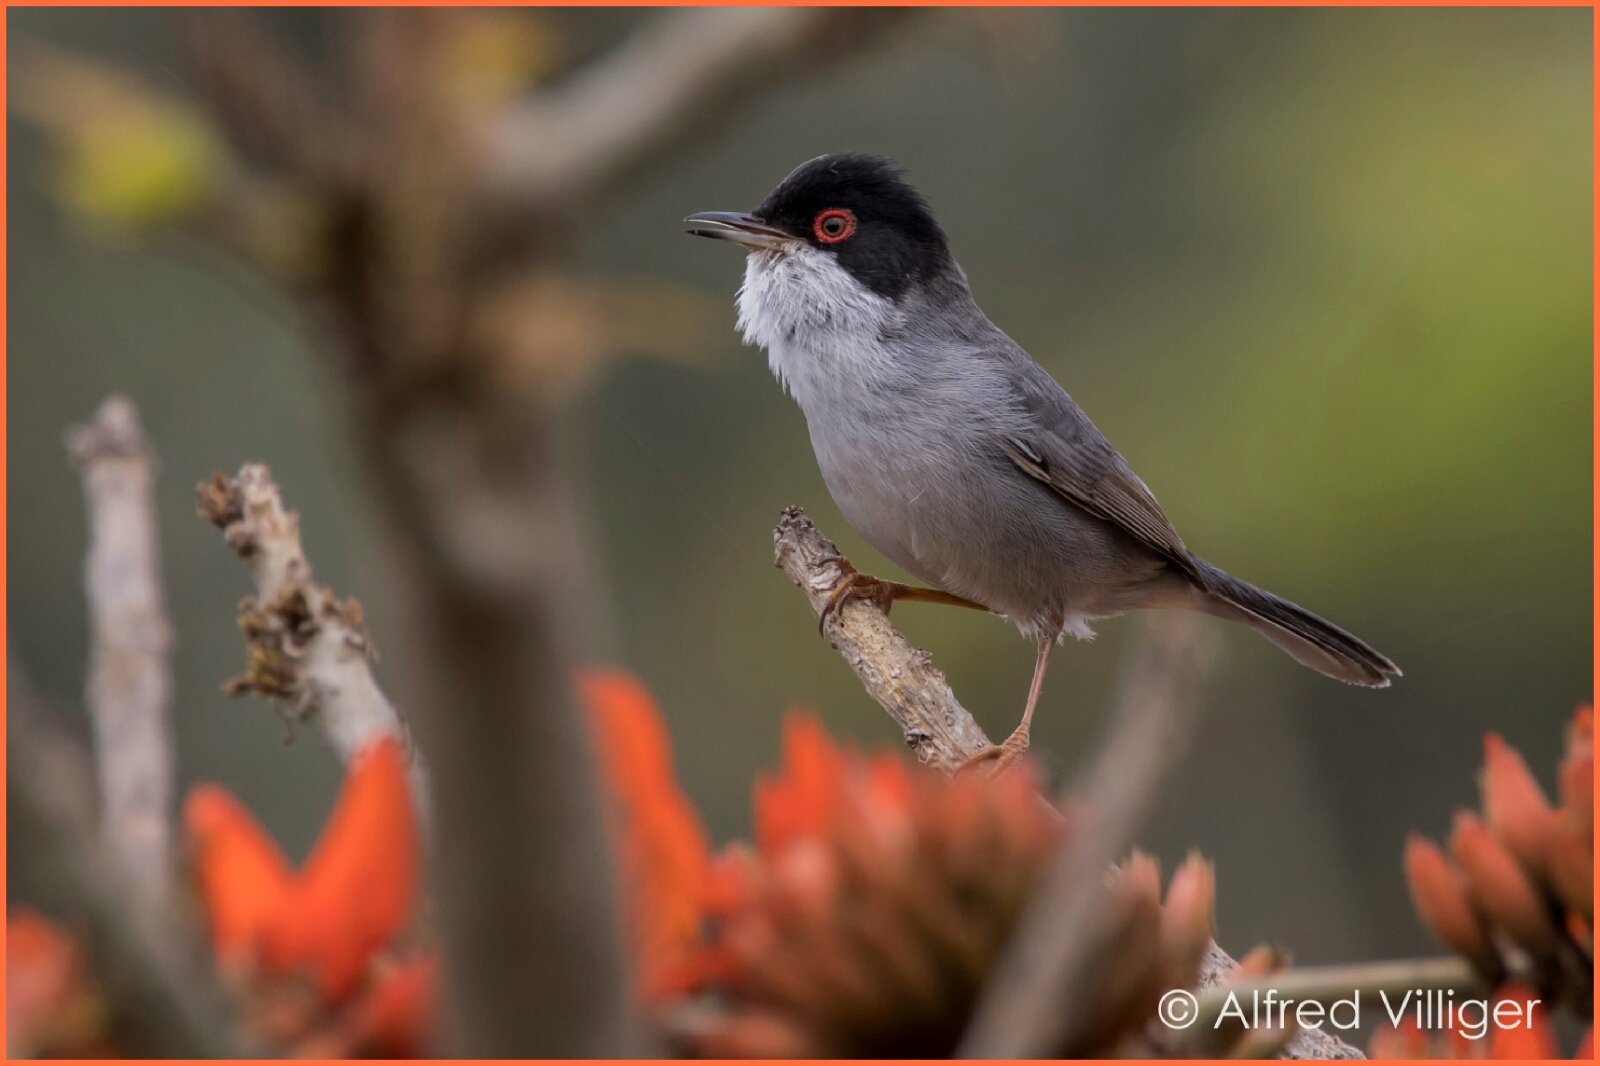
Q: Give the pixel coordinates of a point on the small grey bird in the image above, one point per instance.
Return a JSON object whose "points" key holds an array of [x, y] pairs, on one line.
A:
{"points": [[949, 449]]}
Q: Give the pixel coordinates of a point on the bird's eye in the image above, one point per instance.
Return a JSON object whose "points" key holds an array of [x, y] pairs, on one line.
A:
{"points": [[834, 225]]}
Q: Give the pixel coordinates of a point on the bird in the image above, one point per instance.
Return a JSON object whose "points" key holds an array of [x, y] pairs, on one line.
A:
{"points": [[950, 450]]}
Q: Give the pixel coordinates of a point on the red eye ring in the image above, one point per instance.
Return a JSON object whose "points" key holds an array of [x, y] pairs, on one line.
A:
{"points": [[826, 226]]}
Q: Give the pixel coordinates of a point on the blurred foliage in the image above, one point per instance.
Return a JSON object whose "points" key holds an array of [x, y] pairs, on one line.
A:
{"points": [[129, 157], [1323, 276], [498, 54]]}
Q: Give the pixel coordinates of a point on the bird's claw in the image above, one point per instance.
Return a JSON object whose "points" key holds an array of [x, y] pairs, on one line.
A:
{"points": [[996, 759], [856, 586]]}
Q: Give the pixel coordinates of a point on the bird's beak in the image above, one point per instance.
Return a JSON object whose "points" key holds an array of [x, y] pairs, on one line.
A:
{"points": [[737, 227]]}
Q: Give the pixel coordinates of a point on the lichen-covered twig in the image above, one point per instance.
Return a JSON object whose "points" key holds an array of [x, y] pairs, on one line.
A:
{"points": [[308, 648], [900, 677], [130, 671], [904, 681]]}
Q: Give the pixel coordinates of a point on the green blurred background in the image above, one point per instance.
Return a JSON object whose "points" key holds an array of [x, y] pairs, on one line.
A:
{"points": [[1323, 276]]}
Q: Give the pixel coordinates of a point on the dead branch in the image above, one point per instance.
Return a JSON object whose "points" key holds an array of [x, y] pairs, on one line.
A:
{"points": [[308, 648], [518, 849], [154, 971], [685, 73], [130, 671], [904, 681]]}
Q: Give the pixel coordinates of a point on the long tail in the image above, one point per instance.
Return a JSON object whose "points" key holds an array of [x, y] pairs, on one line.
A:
{"points": [[1313, 641]]}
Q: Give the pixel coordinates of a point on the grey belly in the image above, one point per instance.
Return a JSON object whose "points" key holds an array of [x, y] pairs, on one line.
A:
{"points": [[974, 525]]}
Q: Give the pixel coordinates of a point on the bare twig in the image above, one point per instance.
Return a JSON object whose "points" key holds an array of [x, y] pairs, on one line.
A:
{"points": [[685, 73], [900, 677], [307, 647], [1028, 1009], [130, 672], [519, 853], [156, 978], [903, 680]]}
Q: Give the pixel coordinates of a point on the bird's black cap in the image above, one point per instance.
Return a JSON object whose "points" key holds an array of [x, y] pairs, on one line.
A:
{"points": [[886, 236]]}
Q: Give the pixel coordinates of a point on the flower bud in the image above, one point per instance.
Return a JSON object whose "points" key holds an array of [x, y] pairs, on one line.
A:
{"points": [[1501, 888], [1440, 896], [1571, 867], [1514, 805], [1186, 919]]}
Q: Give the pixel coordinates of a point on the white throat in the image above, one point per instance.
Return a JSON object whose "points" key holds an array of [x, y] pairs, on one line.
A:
{"points": [[819, 325]]}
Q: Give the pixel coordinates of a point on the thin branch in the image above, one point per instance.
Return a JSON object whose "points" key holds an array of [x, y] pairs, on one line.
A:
{"points": [[904, 681], [154, 972], [307, 647], [900, 677], [685, 73], [527, 925], [130, 670]]}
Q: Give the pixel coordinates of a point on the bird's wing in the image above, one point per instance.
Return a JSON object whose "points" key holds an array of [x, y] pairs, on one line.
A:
{"points": [[1063, 449]]}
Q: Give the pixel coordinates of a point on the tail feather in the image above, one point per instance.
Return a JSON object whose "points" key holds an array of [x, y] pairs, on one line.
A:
{"points": [[1312, 641]]}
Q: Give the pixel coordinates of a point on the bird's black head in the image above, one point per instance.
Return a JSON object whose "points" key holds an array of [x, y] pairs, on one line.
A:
{"points": [[860, 209]]}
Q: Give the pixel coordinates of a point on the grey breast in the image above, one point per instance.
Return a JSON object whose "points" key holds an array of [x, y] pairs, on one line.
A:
{"points": [[908, 437]]}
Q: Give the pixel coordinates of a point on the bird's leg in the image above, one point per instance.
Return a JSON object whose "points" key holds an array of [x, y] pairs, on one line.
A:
{"points": [[1004, 754], [858, 586]]}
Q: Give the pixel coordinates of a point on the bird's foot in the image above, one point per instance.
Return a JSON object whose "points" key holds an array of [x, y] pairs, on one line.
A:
{"points": [[858, 586], [881, 594], [996, 759]]}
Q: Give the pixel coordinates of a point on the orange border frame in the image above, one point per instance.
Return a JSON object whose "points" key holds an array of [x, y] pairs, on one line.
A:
{"points": [[1594, 237]]}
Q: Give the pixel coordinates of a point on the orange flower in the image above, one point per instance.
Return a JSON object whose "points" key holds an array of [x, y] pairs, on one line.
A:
{"points": [[328, 920], [1577, 769], [1513, 803], [662, 846], [396, 1019], [1439, 893], [803, 798], [357, 889], [52, 1006], [1571, 862], [1187, 919], [242, 876], [1501, 887], [876, 901], [1534, 1038], [873, 902], [1522, 876]]}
